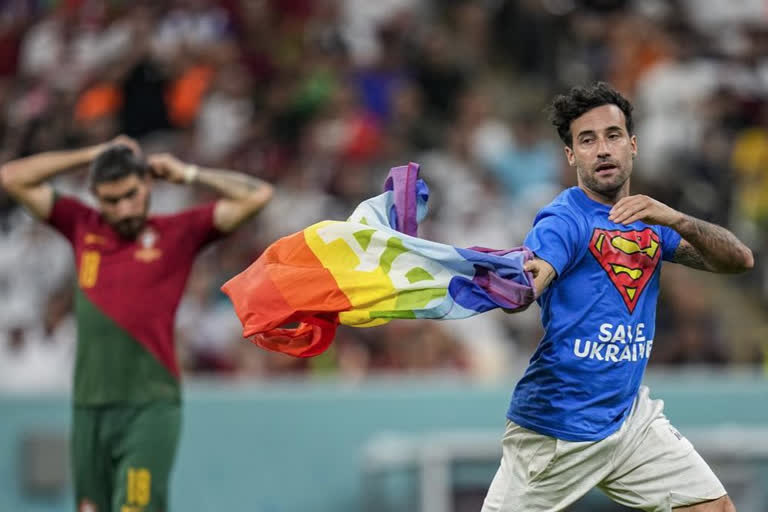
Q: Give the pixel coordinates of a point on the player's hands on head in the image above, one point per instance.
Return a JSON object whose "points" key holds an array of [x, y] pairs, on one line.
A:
{"points": [[167, 167], [643, 208]]}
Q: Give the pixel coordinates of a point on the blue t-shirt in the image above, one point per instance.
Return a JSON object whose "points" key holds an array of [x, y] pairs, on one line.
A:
{"points": [[599, 317]]}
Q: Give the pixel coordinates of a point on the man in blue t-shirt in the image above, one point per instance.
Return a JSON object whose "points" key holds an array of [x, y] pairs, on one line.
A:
{"points": [[579, 417]]}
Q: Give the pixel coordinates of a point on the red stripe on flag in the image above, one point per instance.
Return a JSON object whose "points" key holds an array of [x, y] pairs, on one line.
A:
{"points": [[288, 283]]}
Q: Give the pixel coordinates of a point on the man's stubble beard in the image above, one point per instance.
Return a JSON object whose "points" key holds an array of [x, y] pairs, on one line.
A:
{"points": [[604, 189], [131, 227]]}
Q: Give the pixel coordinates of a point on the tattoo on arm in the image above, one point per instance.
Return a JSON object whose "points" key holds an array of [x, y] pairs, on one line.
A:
{"points": [[231, 184], [243, 196], [688, 255], [710, 247]]}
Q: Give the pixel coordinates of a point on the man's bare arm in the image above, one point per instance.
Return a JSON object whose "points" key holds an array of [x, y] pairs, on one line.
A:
{"points": [[243, 195], [26, 179], [705, 246], [711, 247], [688, 255]]}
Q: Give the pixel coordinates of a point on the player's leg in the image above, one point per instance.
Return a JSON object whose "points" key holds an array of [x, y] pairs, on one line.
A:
{"points": [[145, 449], [657, 469], [541, 473], [90, 462]]}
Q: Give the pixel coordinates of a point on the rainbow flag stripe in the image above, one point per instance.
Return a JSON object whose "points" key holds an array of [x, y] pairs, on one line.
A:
{"points": [[368, 270]]}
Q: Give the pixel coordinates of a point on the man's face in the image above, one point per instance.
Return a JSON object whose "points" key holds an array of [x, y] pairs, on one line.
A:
{"points": [[602, 150], [124, 204]]}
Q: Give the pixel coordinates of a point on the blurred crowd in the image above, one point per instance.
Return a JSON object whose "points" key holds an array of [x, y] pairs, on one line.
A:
{"points": [[322, 97]]}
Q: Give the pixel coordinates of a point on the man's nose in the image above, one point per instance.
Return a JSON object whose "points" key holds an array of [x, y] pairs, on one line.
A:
{"points": [[602, 149], [124, 208]]}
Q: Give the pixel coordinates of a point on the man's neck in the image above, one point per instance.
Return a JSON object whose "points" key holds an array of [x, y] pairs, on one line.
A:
{"points": [[607, 199]]}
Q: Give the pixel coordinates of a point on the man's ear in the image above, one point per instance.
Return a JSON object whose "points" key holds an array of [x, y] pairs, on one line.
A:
{"points": [[570, 156]]}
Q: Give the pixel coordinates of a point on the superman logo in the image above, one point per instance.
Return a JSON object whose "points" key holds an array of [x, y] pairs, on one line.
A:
{"points": [[629, 258]]}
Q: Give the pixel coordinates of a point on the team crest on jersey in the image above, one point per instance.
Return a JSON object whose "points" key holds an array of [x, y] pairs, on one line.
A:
{"points": [[629, 258], [148, 252]]}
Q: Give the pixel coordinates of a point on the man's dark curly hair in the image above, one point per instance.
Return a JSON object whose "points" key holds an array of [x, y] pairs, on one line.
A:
{"points": [[116, 162], [567, 107]]}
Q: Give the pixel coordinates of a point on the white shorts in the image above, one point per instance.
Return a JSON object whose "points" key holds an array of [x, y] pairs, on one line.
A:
{"points": [[646, 464]]}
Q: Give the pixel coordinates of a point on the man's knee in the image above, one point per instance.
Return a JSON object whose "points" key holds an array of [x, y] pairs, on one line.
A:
{"points": [[721, 504], [728, 505]]}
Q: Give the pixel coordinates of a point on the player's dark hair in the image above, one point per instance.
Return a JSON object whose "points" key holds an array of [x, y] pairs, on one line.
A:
{"points": [[580, 99], [116, 162]]}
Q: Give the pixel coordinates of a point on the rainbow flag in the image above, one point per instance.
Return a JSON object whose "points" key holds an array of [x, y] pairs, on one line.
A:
{"points": [[368, 270]]}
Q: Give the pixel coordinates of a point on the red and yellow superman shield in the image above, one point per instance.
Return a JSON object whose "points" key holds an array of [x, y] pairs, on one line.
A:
{"points": [[629, 258]]}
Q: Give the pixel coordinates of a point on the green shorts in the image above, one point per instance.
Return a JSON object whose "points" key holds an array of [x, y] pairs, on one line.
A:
{"points": [[122, 456]]}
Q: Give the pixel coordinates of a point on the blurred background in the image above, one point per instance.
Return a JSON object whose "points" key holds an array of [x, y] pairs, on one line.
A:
{"points": [[322, 97]]}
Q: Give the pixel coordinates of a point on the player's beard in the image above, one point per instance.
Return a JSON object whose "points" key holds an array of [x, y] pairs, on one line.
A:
{"points": [[609, 187], [130, 227]]}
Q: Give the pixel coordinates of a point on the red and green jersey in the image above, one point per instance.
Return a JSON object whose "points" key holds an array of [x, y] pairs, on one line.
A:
{"points": [[126, 299]]}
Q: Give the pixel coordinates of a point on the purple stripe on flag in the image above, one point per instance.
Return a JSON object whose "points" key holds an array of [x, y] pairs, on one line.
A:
{"points": [[506, 293], [499, 279], [402, 182]]}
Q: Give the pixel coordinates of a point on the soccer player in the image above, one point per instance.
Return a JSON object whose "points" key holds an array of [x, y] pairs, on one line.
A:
{"points": [[579, 417], [132, 268]]}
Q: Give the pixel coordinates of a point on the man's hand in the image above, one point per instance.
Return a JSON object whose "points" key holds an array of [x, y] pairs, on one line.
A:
{"points": [[243, 195], [169, 168], [703, 246], [633, 208], [26, 179], [543, 274]]}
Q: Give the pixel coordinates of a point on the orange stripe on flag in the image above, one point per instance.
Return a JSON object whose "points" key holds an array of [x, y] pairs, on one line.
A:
{"points": [[304, 282], [288, 284]]}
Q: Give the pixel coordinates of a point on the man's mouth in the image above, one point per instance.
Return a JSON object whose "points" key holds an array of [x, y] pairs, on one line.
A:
{"points": [[129, 228], [605, 168]]}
